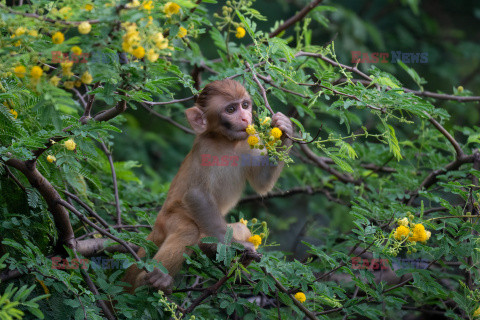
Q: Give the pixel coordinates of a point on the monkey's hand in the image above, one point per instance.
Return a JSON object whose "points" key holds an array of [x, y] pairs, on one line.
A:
{"points": [[157, 280], [282, 122], [249, 254]]}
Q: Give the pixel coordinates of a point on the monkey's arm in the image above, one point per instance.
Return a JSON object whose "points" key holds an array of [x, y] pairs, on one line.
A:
{"points": [[204, 211]]}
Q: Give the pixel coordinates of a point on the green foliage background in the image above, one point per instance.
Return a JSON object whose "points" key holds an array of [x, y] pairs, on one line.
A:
{"points": [[340, 198]]}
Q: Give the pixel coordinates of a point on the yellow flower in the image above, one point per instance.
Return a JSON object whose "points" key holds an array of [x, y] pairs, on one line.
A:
{"points": [[54, 80], [300, 296], [401, 232], [419, 233], [33, 33], [68, 84], [14, 113], [266, 120], [89, 7], [160, 41], [152, 56], [20, 31], [477, 312], [84, 27], [86, 77], [252, 140], [133, 4], [36, 72], [65, 12], [245, 222], [171, 8], [429, 234], [139, 52], [251, 130], [67, 69], [51, 158], [276, 133], [77, 50], [20, 71], [240, 32], [182, 32], [147, 5], [150, 19], [78, 83], [70, 144], [255, 240], [403, 222], [460, 89], [58, 37]]}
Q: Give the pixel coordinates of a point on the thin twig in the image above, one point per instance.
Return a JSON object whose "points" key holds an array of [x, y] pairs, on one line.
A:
{"points": [[115, 186], [101, 303], [168, 102], [299, 16], [86, 207], [168, 119]]}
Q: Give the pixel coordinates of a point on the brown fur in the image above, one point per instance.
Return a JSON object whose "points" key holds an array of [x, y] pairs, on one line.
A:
{"points": [[178, 224]]}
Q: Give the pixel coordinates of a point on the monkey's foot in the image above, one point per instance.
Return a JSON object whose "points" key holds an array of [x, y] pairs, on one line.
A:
{"points": [[249, 254], [159, 281]]}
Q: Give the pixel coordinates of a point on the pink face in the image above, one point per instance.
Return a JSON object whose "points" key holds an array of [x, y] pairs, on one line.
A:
{"points": [[233, 116]]}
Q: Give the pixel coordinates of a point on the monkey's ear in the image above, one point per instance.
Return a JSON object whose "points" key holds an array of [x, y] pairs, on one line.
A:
{"points": [[196, 119]]}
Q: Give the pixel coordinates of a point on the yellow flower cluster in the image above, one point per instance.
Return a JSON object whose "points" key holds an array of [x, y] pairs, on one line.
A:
{"points": [[76, 50], [84, 27], [160, 41], [58, 37], [14, 113], [148, 5], [182, 32], [67, 69], [251, 130], [476, 313], [171, 8], [300, 296], [86, 77], [256, 240], [70, 144], [51, 158], [276, 133], [416, 232], [245, 222], [20, 71], [36, 72], [253, 140], [240, 32], [131, 41]]}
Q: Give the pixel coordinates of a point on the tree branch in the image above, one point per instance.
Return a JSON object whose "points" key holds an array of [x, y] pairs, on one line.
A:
{"points": [[168, 119], [115, 186], [299, 16]]}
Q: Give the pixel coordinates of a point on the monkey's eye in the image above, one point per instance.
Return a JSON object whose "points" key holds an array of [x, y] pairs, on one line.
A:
{"points": [[245, 105], [230, 109]]}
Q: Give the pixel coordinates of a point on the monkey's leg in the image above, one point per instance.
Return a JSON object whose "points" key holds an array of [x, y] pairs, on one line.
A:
{"points": [[181, 234], [133, 272]]}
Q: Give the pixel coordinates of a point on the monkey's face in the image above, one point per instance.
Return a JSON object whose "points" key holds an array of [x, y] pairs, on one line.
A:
{"points": [[232, 116]]}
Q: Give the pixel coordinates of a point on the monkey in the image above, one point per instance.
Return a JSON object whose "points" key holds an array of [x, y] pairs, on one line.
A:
{"points": [[201, 196]]}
